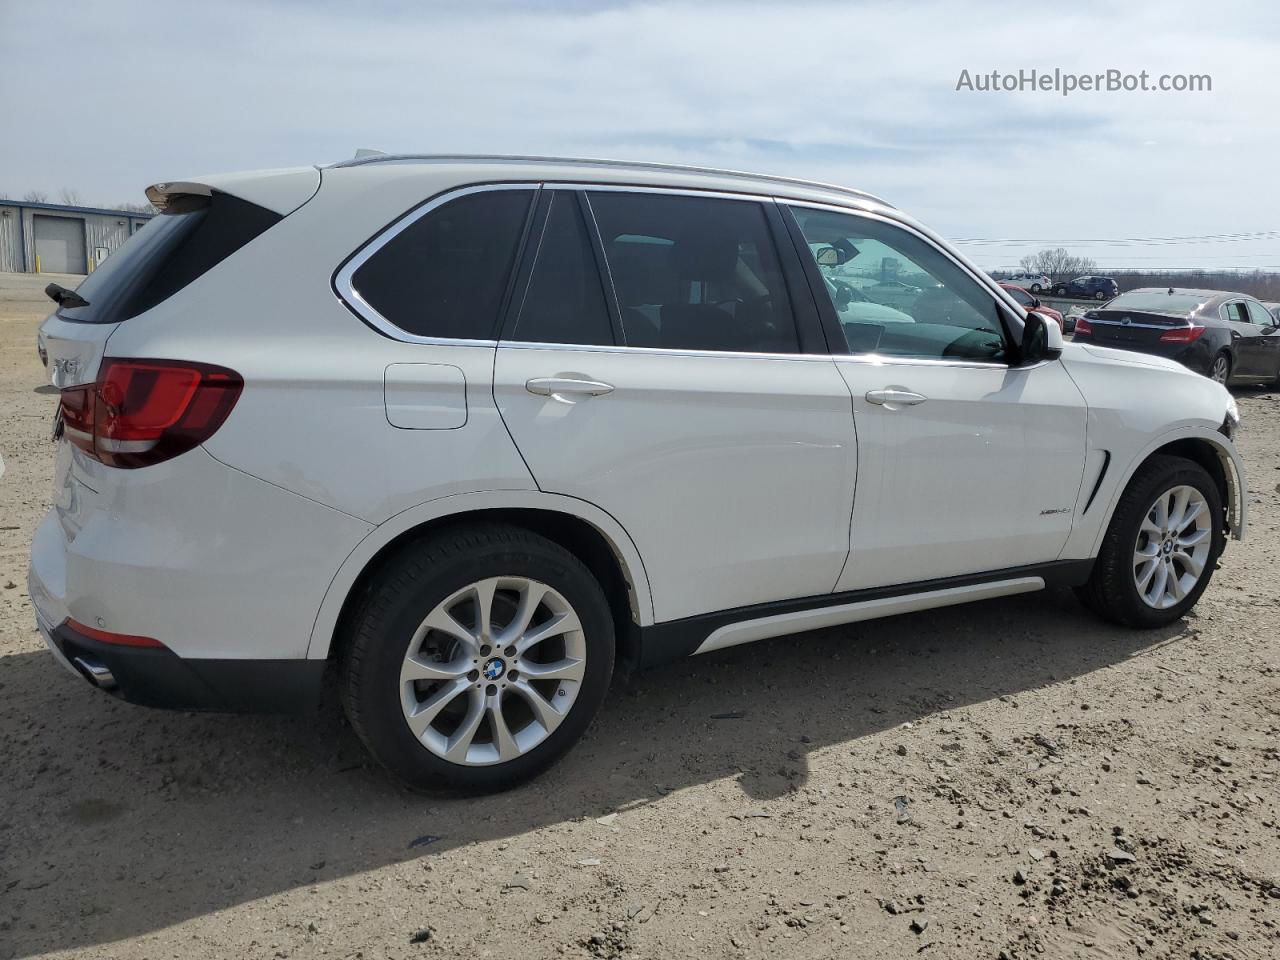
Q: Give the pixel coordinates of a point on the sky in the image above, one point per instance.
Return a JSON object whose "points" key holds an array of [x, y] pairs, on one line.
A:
{"points": [[105, 98]]}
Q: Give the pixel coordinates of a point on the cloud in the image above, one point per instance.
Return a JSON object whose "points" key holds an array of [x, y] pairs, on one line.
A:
{"points": [[110, 97]]}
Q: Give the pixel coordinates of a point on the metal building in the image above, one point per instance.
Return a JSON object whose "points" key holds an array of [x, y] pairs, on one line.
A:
{"points": [[56, 238]]}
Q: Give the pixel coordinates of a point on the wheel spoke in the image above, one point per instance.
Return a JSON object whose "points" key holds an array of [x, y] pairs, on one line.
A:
{"points": [[1160, 513], [1158, 584], [1178, 506], [1175, 582], [442, 620], [569, 668], [415, 668], [1190, 513], [1193, 538], [421, 715], [1194, 564], [543, 711], [530, 597], [483, 593], [503, 741], [1149, 527], [559, 624], [460, 741], [1144, 578]]}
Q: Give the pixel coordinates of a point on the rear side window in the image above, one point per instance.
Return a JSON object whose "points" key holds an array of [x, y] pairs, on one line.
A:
{"points": [[695, 273], [565, 301], [445, 274], [170, 252]]}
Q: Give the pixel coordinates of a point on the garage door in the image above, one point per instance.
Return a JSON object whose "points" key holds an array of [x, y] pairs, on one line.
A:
{"points": [[59, 244]]}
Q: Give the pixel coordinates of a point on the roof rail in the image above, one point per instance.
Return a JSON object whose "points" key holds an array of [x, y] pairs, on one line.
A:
{"points": [[601, 162]]}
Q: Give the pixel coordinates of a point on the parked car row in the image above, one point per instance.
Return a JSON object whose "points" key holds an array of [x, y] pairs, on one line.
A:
{"points": [[1230, 337], [1080, 288]]}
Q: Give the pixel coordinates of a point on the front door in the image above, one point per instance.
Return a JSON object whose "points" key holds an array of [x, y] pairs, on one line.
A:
{"points": [[687, 408], [966, 464]]}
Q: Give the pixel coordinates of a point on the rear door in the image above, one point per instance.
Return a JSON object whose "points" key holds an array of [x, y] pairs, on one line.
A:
{"points": [[967, 463], [657, 365], [1245, 338], [1262, 344]]}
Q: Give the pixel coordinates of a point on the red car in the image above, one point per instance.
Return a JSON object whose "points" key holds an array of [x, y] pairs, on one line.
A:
{"points": [[1032, 304]]}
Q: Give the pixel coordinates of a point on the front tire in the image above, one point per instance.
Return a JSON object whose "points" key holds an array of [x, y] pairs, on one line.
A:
{"points": [[1035, 288], [477, 658], [1161, 547], [1060, 291]]}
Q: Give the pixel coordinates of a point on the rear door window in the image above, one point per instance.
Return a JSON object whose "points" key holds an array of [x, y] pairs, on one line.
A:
{"points": [[695, 273], [1235, 312], [445, 274], [170, 252], [564, 302]]}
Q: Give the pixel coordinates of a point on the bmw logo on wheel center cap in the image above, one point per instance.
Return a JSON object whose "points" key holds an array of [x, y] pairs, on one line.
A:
{"points": [[494, 668]]}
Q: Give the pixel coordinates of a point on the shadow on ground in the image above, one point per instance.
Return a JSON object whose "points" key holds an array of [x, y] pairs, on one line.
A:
{"points": [[118, 820]]}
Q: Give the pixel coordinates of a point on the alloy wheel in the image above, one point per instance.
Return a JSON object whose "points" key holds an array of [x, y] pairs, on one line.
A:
{"points": [[1172, 550], [492, 671], [1221, 367]]}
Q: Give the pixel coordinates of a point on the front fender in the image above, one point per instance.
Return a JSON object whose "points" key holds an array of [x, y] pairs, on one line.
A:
{"points": [[463, 503], [1232, 467]]}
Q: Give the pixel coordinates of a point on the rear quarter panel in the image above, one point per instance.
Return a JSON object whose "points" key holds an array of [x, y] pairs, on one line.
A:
{"points": [[312, 417]]}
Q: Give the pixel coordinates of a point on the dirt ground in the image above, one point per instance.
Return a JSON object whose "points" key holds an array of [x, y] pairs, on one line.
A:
{"points": [[1006, 779]]}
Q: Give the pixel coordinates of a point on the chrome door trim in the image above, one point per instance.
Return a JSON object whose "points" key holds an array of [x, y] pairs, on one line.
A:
{"points": [[342, 281]]}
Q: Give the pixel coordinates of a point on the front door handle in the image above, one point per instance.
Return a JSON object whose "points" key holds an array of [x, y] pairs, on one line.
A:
{"points": [[893, 397], [565, 388]]}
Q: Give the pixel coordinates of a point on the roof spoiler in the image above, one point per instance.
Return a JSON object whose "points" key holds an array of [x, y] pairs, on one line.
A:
{"points": [[281, 191]]}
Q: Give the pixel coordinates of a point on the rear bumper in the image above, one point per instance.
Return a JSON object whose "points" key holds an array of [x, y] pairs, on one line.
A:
{"points": [[153, 677]]}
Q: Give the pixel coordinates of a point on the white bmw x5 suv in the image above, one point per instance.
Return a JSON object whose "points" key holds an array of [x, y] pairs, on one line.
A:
{"points": [[473, 431]]}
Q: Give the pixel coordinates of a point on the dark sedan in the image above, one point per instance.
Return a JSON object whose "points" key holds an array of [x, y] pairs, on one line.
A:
{"points": [[1229, 337]]}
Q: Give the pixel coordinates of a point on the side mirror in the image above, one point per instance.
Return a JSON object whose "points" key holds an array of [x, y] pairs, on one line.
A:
{"points": [[1041, 340]]}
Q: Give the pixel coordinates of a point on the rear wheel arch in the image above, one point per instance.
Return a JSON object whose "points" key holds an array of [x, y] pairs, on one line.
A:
{"points": [[626, 589]]}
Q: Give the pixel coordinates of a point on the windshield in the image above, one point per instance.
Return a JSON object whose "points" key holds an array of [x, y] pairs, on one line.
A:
{"points": [[1149, 301]]}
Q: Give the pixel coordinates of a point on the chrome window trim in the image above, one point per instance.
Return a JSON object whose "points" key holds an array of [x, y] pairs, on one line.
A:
{"points": [[342, 281]]}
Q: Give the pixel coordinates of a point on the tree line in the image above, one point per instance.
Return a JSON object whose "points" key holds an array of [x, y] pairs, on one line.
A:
{"points": [[1059, 264]]}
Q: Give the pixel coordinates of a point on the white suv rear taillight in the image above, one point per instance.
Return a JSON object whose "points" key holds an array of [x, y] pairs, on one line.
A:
{"points": [[141, 412]]}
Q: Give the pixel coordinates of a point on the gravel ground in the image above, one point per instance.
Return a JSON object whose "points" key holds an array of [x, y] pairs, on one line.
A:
{"points": [[1011, 778]]}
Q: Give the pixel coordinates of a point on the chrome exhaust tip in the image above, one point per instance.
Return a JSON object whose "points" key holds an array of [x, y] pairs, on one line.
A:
{"points": [[96, 672]]}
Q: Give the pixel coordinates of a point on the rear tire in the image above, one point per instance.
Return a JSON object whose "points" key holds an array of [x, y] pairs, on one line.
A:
{"points": [[445, 695], [1141, 540], [1035, 288], [1220, 368]]}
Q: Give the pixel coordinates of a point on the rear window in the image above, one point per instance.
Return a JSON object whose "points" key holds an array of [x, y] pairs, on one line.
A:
{"points": [[1177, 304], [170, 252], [445, 274]]}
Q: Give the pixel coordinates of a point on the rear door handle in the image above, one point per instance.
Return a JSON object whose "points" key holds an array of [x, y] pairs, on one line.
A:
{"points": [[564, 388], [891, 397]]}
